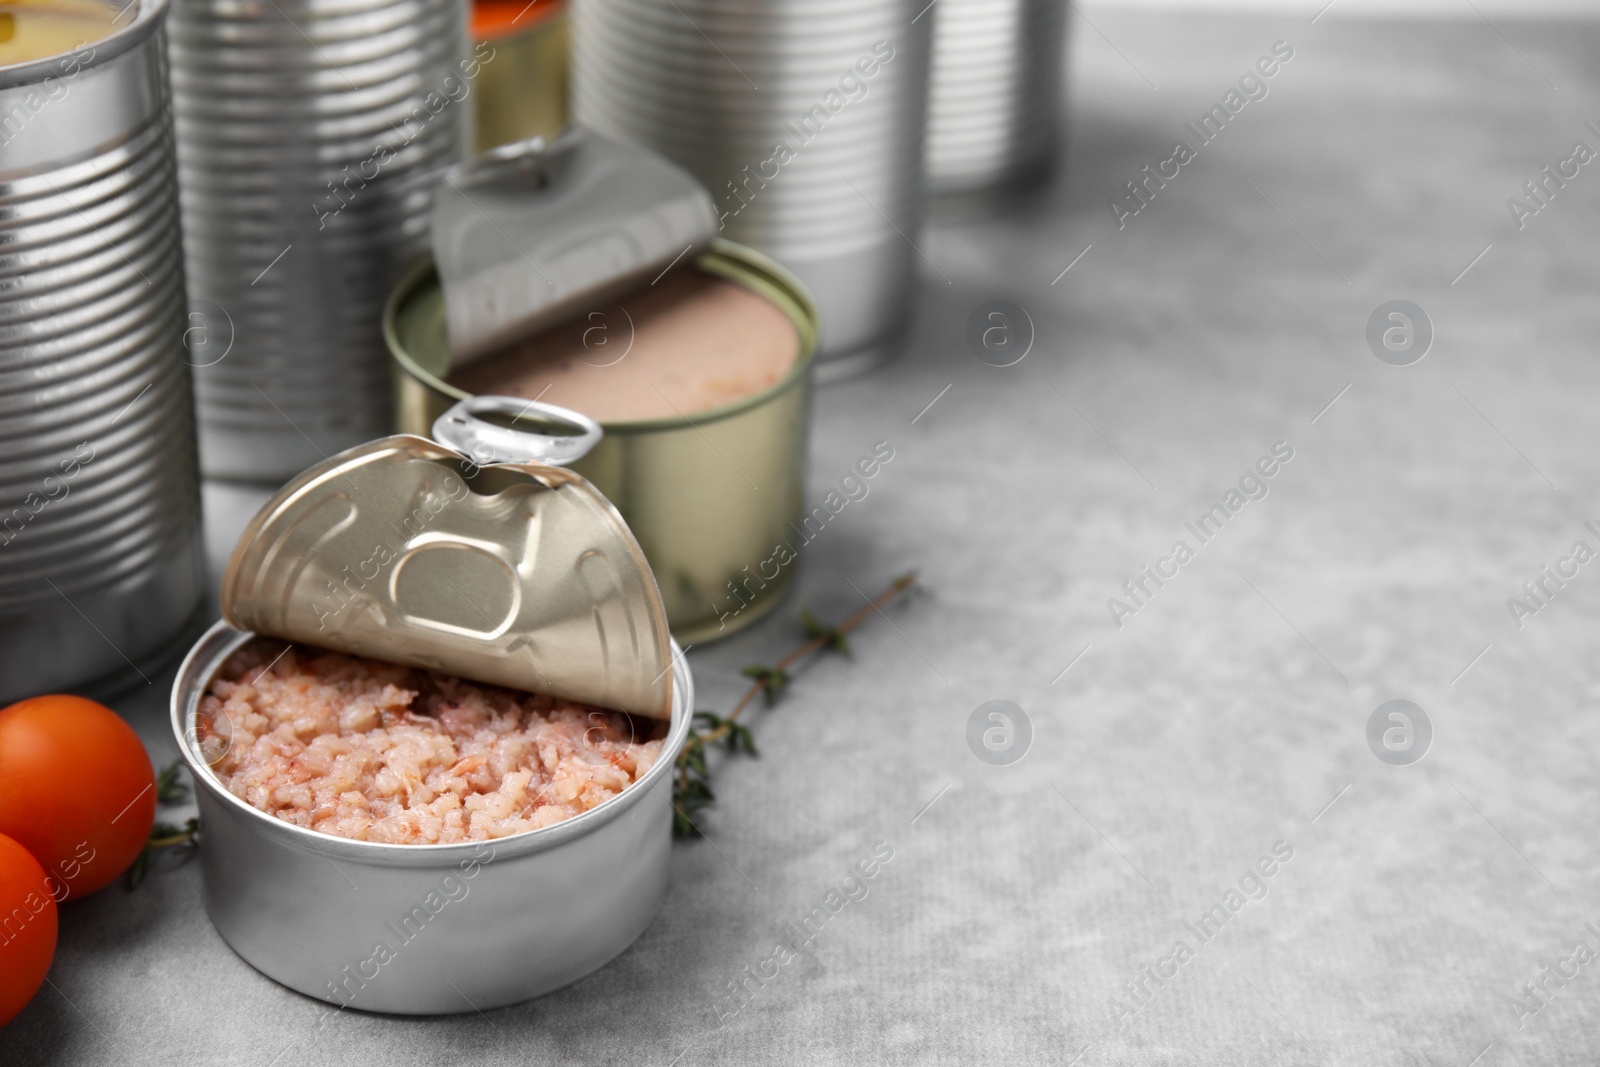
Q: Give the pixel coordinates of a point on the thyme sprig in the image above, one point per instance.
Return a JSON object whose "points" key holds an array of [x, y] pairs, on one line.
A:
{"points": [[169, 790], [691, 789], [770, 680], [831, 636]]}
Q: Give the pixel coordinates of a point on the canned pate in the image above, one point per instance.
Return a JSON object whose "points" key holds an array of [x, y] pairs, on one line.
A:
{"points": [[698, 368]]}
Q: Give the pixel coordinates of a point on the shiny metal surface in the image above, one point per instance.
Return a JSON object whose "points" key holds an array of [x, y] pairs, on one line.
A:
{"points": [[994, 97], [718, 85], [461, 926], [714, 500], [100, 564], [515, 574], [307, 135], [531, 233]]}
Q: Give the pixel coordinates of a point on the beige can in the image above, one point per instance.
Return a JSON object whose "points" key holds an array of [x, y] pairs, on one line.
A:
{"points": [[521, 90], [715, 498]]}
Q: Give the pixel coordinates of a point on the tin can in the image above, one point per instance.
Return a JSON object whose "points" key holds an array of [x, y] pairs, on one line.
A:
{"points": [[805, 121], [439, 928], [308, 136], [994, 98], [100, 549], [711, 496], [523, 93], [539, 910]]}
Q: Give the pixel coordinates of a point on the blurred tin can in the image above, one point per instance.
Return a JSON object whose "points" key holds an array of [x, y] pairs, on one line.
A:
{"points": [[711, 496], [501, 569], [994, 98], [805, 120], [308, 138], [524, 92], [100, 550]]}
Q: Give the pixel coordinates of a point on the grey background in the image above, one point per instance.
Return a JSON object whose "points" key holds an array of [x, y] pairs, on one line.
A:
{"points": [[1227, 715]]}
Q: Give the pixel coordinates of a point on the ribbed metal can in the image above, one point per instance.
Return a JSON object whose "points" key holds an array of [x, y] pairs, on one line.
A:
{"points": [[309, 136], [994, 98], [100, 550], [804, 120]]}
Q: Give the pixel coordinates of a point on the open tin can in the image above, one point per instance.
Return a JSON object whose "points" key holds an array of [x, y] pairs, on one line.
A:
{"points": [[715, 497], [524, 577]]}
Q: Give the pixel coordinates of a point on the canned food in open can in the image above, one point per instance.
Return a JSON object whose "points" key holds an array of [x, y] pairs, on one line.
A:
{"points": [[489, 570], [715, 497]]}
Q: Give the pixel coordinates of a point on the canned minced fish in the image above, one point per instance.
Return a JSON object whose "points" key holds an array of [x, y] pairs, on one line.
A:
{"points": [[699, 372], [422, 834]]}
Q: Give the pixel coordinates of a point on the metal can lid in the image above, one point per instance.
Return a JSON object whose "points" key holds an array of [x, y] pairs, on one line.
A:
{"points": [[490, 566], [528, 234]]}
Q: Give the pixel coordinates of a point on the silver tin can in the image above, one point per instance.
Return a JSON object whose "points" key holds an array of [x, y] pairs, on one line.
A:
{"points": [[309, 135], [505, 920], [100, 549], [994, 98], [804, 120]]}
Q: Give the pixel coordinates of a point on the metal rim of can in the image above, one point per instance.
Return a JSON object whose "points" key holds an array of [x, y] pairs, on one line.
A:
{"points": [[211, 652], [148, 15], [726, 259]]}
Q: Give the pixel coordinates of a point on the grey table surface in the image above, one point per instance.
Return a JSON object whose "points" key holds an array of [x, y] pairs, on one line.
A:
{"points": [[1170, 753]]}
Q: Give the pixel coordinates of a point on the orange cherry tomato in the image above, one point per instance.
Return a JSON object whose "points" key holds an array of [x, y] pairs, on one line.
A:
{"points": [[76, 790], [27, 928]]}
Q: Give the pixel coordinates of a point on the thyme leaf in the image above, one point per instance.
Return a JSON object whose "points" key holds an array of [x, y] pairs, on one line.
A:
{"points": [[831, 636], [169, 790], [771, 680], [691, 788]]}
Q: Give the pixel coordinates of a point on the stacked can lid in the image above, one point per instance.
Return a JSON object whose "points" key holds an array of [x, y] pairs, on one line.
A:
{"points": [[308, 135], [993, 102], [99, 495], [804, 118]]}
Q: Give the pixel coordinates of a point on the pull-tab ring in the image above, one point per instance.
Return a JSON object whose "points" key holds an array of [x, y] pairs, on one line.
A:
{"points": [[520, 163], [568, 436]]}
